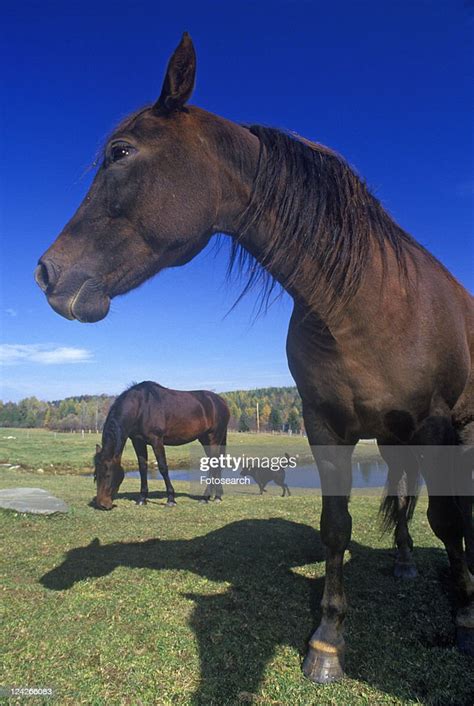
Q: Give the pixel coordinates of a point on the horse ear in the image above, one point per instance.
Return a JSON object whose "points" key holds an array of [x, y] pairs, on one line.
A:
{"points": [[98, 448], [179, 80]]}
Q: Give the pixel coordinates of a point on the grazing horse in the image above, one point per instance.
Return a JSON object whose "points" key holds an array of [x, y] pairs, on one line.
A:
{"points": [[381, 338], [149, 413]]}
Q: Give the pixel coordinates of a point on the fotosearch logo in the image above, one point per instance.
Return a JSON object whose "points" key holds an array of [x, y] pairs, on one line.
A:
{"points": [[246, 463]]}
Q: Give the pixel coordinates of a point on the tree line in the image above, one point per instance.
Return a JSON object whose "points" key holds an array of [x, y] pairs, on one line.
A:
{"points": [[263, 409]]}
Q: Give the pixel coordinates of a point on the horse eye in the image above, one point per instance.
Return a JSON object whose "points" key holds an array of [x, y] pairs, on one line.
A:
{"points": [[120, 151]]}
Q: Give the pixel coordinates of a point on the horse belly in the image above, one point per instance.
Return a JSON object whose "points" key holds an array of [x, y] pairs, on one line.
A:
{"points": [[183, 430]]}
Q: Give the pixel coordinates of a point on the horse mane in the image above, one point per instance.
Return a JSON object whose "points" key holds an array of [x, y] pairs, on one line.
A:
{"points": [[322, 212], [112, 432]]}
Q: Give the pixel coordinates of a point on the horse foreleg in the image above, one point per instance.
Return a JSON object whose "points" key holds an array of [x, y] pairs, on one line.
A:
{"points": [[324, 661], [160, 454], [142, 455]]}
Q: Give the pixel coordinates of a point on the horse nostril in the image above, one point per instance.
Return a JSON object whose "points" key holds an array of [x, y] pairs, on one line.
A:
{"points": [[45, 275], [41, 277]]}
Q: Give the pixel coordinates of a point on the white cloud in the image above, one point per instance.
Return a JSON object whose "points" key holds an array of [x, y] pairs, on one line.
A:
{"points": [[44, 354], [11, 312]]}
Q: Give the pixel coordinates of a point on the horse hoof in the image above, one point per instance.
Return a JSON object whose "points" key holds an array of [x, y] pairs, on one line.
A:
{"points": [[324, 667], [465, 640], [141, 501], [217, 500], [403, 570], [204, 501], [171, 503]]}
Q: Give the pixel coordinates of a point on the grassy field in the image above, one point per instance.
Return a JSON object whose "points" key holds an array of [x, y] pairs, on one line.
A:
{"points": [[55, 453], [213, 605]]}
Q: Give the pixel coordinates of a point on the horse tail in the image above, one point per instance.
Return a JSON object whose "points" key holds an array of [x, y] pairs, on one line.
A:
{"points": [[390, 509], [401, 487]]}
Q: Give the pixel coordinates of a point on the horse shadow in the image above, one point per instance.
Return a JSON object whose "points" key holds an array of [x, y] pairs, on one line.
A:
{"points": [[270, 604]]}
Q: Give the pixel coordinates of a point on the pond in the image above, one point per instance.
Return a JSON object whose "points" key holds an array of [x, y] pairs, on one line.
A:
{"points": [[365, 474]]}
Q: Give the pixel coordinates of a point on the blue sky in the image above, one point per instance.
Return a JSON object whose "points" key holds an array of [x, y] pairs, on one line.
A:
{"points": [[388, 84]]}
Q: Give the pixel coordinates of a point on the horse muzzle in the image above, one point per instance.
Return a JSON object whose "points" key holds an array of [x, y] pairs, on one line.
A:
{"points": [[74, 294], [104, 503]]}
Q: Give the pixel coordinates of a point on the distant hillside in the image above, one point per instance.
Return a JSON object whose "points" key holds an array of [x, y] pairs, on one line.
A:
{"points": [[272, 408]]}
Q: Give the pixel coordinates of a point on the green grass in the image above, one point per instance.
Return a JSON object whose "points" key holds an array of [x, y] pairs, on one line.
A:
{"points": [[57, 453], [213, 605]]}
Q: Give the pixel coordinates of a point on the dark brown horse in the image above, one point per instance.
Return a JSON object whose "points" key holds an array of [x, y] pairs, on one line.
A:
{"points": [[148, 413], [381, 338]]}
